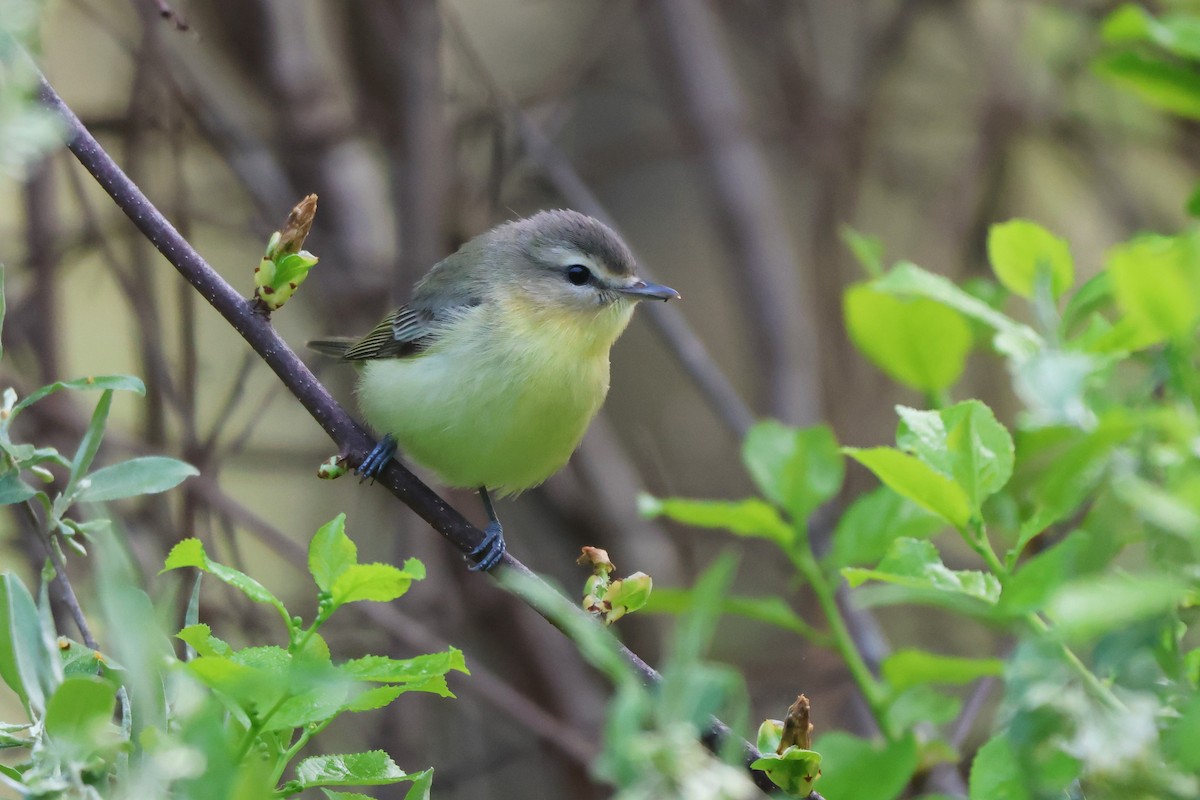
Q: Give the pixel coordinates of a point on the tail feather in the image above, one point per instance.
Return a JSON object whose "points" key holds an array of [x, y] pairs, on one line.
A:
{"points": [[332, 347]]}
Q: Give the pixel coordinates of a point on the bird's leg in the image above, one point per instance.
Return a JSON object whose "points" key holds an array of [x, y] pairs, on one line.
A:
{"points": [[489, 552], [377, 459]]}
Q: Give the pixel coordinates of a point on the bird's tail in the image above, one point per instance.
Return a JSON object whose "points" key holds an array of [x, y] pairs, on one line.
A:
{"points": [[332, 347]]}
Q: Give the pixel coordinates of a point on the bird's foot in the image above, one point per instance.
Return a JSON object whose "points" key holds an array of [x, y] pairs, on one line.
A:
{"points": [[488, 553], [377, 459]]}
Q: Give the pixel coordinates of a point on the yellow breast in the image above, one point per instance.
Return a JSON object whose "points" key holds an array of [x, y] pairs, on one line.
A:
{"points": [[501, 399]]}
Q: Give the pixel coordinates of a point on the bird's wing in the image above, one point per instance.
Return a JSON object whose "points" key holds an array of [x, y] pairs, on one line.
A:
{"points": [[404, 332]]}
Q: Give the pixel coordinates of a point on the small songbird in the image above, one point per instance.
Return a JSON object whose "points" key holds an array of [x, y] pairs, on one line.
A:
{"points": [[491, 375]]}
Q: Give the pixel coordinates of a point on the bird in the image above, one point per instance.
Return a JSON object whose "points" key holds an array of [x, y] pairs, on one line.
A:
{"points": [[491, 374]]}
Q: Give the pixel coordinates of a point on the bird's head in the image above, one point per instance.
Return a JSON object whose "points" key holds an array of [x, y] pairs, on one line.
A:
{"points": [[569, 266]]}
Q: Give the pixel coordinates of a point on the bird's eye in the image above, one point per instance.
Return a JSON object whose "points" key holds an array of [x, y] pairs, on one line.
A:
{"points": [[578, 274]]}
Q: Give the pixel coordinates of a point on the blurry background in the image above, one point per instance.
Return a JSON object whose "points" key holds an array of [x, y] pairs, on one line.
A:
{"points": [[729, 142]]}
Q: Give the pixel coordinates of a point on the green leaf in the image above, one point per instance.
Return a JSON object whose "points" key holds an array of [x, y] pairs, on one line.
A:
{"points": [[868, 527], [90, 443], [963, 442], [1030, 587], [906, 668], [627, 595], [126, 383], [137, 476], [200, 637], [750, 517], [916, 564], [79, 713], [373, 768], [1013, 339], [794, 770], [190, 553], [381, 583], [1020, 251], [996, 773], [321, 702], [14, 490], [1156, 80], [910, 477], [422, 784], [770, 609], [867, 250], [383, 669], [28, 663], [796, 468], [1095, 294], [1178, 33], [1156, 280], [854, 767], [330, 553], [918, 342], [919, 704], [1091, 606], [377, 697]]}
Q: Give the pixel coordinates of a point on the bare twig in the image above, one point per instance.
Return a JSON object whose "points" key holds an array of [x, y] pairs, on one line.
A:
{"points": [[333, 419], [710, 111]]}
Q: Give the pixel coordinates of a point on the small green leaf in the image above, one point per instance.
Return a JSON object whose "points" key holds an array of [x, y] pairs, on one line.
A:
{"points": [[854, 767], [770, 735], [330, 553], [383, 669], [794, 770], [381, 583], [750, 517], [796, 468], [126, 383], [770, 609], [1094, 605], [910, 477], [626, 595], [906, 668], [28, 663], [422, 784], [1013, 339], [137, 476], [190, 553], [200, 637], [996, 772], [79, 714], [14, 490], [378, 697], [868, 527], [1161, 83], [916, 564], [90, 443], [1020, 251], [918, 342], [917, 704], [867, 250], [1156, 280], [963, 442], [373, 768]]}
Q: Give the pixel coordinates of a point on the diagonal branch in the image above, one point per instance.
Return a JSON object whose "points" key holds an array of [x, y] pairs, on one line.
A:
{"points": [[256, 329]]}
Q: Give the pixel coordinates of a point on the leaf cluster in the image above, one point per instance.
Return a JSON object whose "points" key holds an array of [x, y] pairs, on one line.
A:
{"points": [[1083, 518]]}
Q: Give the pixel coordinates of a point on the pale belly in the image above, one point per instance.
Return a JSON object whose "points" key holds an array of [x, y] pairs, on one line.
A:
{"points": [[508, 422]]}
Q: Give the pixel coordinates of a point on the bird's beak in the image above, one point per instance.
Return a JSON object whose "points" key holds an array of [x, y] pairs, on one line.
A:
{"points": [[641, 290]]}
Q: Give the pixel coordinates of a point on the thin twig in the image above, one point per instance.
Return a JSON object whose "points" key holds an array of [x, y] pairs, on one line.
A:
{"points": [[333, 419], [66, 591]]}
